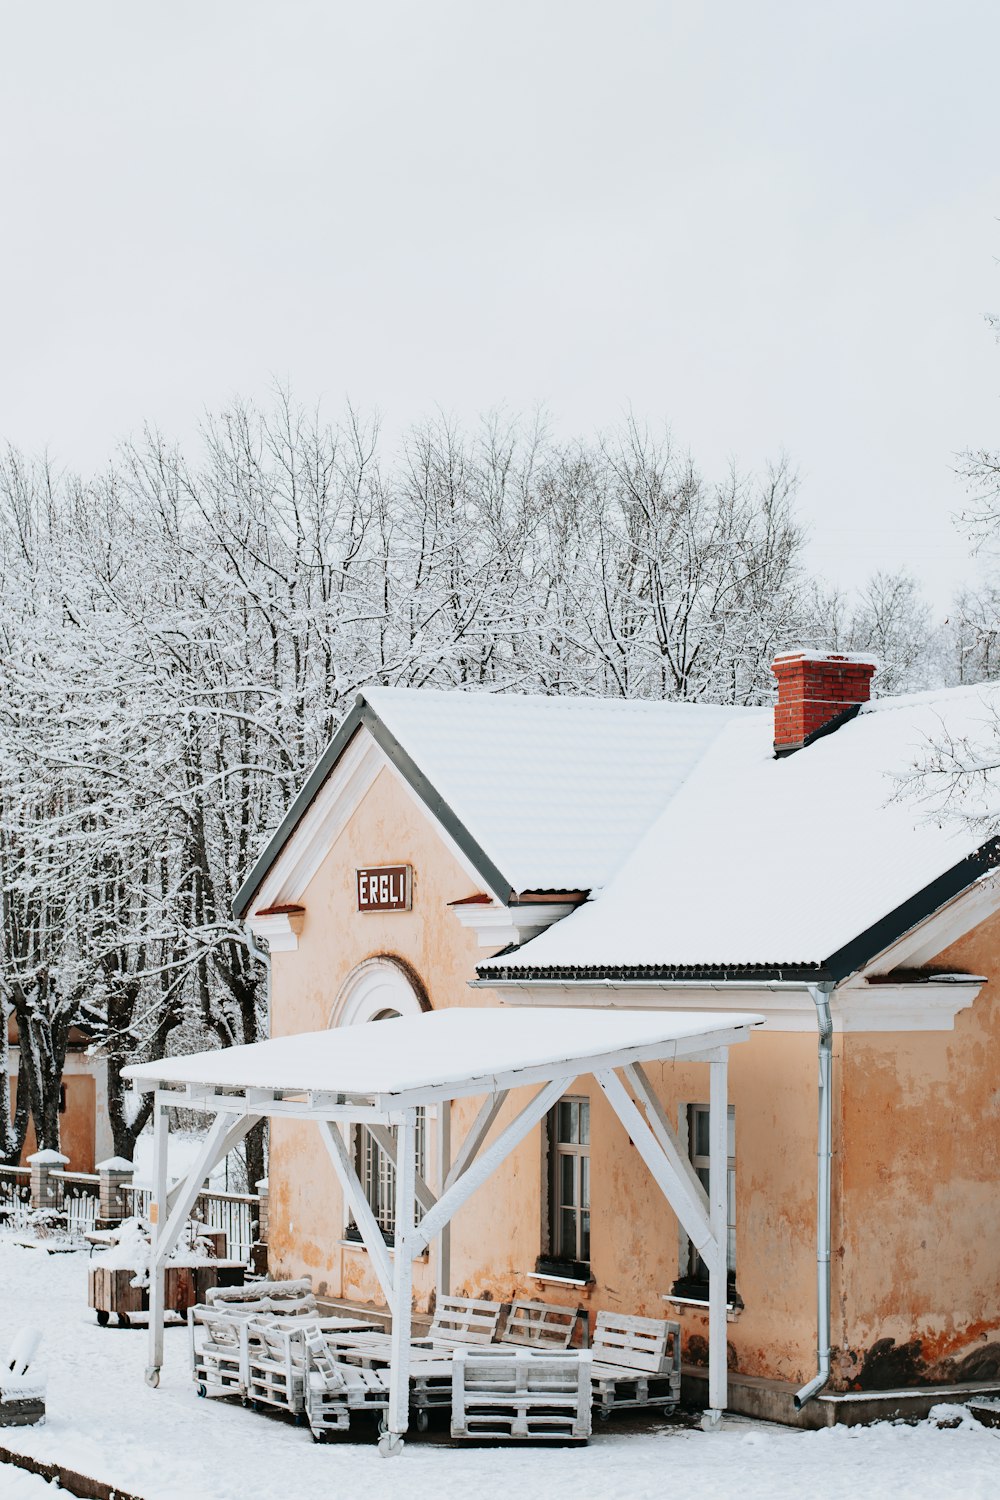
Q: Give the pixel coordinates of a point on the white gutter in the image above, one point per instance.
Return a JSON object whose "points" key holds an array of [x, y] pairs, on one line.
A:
{"points": [[824, 1150], [263, 956]]}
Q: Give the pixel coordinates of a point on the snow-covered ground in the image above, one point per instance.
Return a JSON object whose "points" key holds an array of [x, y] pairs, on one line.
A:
{"points": [[168, 1445]]}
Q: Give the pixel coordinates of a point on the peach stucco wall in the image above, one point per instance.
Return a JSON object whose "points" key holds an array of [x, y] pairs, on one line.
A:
{"points": [[497, 1236], [919, 1218]]}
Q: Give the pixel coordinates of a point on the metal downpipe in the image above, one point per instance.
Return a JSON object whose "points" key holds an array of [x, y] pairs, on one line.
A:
{"points": [[263, 956], [824, 1152]]}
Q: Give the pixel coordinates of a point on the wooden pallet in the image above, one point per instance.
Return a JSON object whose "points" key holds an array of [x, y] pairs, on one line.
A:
{"points": [[335, 1389], [218, 1345], [636, 1362], [276, 1366], [464, 1320], [520, 1395], [541, 1325]]}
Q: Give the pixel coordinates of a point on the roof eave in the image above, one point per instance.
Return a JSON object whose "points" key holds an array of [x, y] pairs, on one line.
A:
{"points": [[840, 965]]}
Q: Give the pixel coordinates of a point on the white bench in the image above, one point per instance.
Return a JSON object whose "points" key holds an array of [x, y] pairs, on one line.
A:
{"points": [[220, 1339], [217, 1344], [636, 1362], [520, 1394]]}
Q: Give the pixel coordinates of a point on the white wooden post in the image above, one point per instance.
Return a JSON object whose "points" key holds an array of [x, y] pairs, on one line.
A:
{"points": [[443, 1168], [398, 1415], [157, 1272], [167, 1231], [371, 1234], [718, 1174]]}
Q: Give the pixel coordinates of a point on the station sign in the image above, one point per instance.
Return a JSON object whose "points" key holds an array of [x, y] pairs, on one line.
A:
{"points": [[385, 888]]}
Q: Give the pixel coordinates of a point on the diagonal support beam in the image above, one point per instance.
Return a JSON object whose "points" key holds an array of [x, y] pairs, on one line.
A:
{"points": [[663, 1130], [478, 1131], [386, 1142], [485, 1165], [674, 1185], [236, 1133], [371, 1234]]}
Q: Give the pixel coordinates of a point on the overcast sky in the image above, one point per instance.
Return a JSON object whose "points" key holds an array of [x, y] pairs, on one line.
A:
{"points": [[772, 225]]}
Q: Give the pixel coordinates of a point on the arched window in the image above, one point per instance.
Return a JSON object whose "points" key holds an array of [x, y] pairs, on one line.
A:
{"points": [[379, 990]]}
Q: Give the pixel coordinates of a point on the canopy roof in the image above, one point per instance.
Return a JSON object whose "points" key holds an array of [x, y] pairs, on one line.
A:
{"points": [[449, 1054]]}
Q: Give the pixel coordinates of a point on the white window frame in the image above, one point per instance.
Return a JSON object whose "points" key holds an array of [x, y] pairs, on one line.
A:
{"points": [[376, 987], [555, 1151], [685, 1250]]}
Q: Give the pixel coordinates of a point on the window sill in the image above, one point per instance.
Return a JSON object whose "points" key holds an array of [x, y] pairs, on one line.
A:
{"points": [[559, 1280], [733, 1309], [390, 1250]]}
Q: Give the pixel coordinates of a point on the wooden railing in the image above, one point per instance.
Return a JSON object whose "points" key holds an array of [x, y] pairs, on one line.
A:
{"points": [[237, 1213]]}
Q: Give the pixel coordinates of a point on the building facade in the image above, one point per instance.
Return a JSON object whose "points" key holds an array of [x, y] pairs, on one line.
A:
{"points": [[454, 850]]}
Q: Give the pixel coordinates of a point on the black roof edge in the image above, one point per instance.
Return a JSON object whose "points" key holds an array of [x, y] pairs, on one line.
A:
{"points": [[293, 817], [431, 797], [890, 928], [844, 962], [676, 973], [362, 715], [830, 727]]}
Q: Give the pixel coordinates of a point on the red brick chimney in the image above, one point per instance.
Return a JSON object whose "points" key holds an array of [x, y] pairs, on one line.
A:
{"points": [[814, 689]]}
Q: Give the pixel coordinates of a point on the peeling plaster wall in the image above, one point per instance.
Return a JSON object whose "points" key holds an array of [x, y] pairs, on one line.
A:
{"points": [[497, 1235], [919, 1234]]}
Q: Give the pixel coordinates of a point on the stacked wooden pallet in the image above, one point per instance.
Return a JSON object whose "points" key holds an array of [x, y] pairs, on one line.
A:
{"points": [[636, 1362], [509, 1394]]}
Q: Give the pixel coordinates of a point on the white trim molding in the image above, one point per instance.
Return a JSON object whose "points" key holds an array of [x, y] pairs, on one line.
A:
{"points": [[499, 926], [929, 1004], [280, 928], [377, 985], [322, 824]]}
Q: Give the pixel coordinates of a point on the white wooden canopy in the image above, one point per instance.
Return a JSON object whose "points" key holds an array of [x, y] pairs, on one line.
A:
{"points": [[377, 1077]]}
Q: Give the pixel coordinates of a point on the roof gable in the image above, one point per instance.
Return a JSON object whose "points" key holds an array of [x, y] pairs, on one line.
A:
{"points": [[538, 794]]}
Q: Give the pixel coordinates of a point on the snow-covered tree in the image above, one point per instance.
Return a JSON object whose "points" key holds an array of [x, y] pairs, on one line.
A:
{"points": [[181, 635]]}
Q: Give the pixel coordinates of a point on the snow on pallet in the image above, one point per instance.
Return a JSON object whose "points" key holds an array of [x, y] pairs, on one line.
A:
{"points": [[520, 1394], [636, 1362]]}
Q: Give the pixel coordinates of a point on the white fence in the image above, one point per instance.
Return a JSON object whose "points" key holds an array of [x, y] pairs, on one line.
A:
{"points": [[237, 1213]]}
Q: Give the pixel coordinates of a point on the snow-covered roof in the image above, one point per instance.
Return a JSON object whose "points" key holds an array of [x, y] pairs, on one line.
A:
{"points": [[448, 1053], [553, 791], [777, 863], [556, 790]]}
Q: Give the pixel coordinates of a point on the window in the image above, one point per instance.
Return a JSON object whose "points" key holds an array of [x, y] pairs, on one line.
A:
{"points": [[568, 1189], [376, 1171], [378, 1177], [693, 1279]]}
